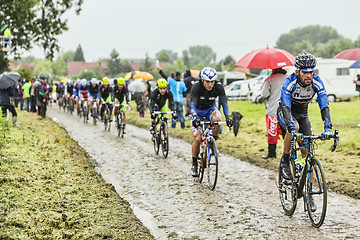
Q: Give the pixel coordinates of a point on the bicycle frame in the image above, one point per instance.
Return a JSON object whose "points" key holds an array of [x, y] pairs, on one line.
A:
{"points": [[160, 125]]}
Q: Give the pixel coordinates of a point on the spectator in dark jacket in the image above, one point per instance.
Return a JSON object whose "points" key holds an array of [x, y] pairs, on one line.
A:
{"points": [[42, 97], [6, 103]]}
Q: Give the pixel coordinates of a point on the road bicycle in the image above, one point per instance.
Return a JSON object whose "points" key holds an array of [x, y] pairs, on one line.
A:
{"points": [[160, 135], [310, 176], [119, 119], [71, 106], [106, 116], [209, 154], [85, 109], [94, 112]]}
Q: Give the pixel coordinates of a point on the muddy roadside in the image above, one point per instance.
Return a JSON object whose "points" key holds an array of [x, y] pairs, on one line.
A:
{"points": [[245, 203], [49, 188]]}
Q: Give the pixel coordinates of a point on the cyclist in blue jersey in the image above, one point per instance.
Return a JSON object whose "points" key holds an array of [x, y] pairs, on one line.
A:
{"points": [[77, 94], [202, 105], [296, 93]]}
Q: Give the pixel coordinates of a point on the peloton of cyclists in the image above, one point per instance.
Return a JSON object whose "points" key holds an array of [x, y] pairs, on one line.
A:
{"points": [[202, 105], [158, 102], [119, 96]]}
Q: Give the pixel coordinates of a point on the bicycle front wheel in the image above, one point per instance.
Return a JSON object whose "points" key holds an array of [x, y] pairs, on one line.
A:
{"points": [[164, 140], [157, 142], [316, 193], [288, 190], [212, 164]]}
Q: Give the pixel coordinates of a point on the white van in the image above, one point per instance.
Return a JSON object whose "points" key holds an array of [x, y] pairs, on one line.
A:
{"points": [[227, 78], [337, 77]]}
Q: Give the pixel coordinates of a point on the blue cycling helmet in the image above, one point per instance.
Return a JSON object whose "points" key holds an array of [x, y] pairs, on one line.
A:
{"points": [[208, 74], [305, 61]]}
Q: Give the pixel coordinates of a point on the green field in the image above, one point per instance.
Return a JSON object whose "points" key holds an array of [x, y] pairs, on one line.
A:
{"points": [[342, 167]]}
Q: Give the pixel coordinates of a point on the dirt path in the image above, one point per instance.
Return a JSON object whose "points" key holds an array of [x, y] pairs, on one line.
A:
{"points": [[245, 203]]}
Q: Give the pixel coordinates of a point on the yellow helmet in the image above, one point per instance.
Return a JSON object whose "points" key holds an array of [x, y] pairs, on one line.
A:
{"points": [[161, 83], [105, 81], [121, 81]]}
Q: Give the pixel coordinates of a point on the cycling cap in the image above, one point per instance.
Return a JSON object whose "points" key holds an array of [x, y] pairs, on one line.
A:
{"points": [[305, 61], [120, 81], [161, 83], [208, 74], [83, 82], [105, 81], [93, 81], [78, 81]]}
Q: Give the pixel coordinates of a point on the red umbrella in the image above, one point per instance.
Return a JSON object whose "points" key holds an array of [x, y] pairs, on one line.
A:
{"points": [[349, 54], [271, 58]]}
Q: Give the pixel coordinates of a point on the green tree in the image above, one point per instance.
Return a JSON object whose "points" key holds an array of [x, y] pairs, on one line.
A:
{"points": [[314, 34], [68, 56], [35, 22], [333, 47], [166, 56], [186, 59], [201, 54], [357, 42], [125, 66], [114, 64], [79, 55], [178, 66], [28, 59], [87, 74], [228, 59], [25, 73], [147, 64], [304, 46], [59, 67], [43, 67]]}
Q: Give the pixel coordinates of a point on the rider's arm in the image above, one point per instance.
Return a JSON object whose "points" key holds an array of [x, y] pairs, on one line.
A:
{"points": [[100, 94], [222, 98], [193, 97], [127, 95], [152, 100], [322, 100]]}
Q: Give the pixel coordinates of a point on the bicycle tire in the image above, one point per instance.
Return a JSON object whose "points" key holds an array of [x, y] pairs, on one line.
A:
{"points": [[212, 163], [122, 125], [105, 120], [94, 112], [318, 191], [157, 141], [201, 166], [288, 190], [164, 140], [85, 112], [108, 114]]}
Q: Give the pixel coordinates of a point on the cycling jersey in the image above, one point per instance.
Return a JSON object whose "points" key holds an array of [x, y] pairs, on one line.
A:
{"points": [[84, 91], [94, 91], [295, 98], [160, 100], [76, 90], [202, 99], [69, 89], [119, 94], [104, 93]]}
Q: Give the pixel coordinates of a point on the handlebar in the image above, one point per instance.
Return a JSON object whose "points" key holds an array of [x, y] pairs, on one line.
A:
{"points": [[335, 136], [158, 112]]}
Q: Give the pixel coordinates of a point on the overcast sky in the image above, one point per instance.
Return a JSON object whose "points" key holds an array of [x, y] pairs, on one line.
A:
{"points": [[229, 27]]}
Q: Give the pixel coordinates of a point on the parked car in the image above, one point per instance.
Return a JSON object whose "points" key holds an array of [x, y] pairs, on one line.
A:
{"points": [[239, 90]]}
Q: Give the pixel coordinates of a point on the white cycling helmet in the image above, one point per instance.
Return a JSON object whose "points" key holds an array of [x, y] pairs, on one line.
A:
{"points": [[84, 82], [94, 81], [208, 74]]}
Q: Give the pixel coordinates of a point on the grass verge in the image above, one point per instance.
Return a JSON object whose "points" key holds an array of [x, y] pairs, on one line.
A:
{"points": [[49, 188], [342, 167]]}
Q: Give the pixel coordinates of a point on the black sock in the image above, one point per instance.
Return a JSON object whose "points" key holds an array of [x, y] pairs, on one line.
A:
{"points": [[194, 160], [286, 156]]}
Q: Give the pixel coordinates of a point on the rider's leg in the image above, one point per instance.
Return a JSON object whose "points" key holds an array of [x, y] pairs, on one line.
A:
{"points": [[195, 150], [285, 162], [216, 116]]}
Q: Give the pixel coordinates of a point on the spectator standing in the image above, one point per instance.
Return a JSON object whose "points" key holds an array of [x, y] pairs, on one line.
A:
{"points": [[7, 38], [33, 95], [189, 82], [271, 93], [177, 88], [42, 97], [26, 89], [357, 84], [6, 103]]}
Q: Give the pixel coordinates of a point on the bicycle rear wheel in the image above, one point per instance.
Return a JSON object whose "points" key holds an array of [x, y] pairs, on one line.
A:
{"points": [[85, 112], [317, 190], [212, 164], [164, 140], [288, 190], [94, 113]]}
